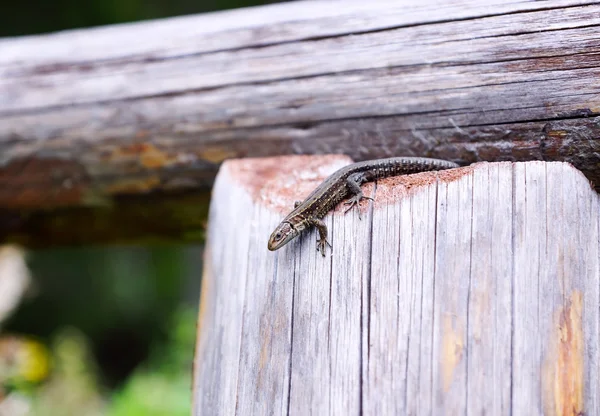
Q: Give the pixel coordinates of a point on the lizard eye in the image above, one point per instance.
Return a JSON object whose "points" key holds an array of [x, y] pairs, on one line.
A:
{"points": [[278, 236]]}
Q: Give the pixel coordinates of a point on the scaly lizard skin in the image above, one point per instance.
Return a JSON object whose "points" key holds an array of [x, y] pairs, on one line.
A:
{"points": [[342, 183]]}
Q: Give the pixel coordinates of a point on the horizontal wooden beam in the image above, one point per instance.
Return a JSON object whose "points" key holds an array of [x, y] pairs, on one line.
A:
{"points": [[87, 116], [468, 291]]}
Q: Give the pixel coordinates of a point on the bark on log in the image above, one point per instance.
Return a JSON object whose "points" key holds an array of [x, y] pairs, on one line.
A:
{"points": [[468, 291], [89, 115]]}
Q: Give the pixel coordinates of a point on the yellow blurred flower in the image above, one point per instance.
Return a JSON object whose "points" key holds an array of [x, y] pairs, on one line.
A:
{"points": [[23, 360]]}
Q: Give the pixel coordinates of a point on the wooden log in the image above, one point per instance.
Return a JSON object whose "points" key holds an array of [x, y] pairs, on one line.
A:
{"points": [[88, 116], [468, 291], [98, 112]]}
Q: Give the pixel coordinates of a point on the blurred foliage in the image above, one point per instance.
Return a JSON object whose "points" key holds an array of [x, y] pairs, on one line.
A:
{"points": [[72, 388], [120, 325], [117, 296], [24, 362], [68, 387], [39, 16], [162, 386], [159, 387]]}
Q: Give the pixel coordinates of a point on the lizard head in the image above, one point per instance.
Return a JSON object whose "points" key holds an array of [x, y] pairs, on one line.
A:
{"points": [[282, 235]]}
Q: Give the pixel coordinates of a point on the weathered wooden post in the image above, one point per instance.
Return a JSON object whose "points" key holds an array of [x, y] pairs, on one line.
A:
{"points": [[473, 290]]}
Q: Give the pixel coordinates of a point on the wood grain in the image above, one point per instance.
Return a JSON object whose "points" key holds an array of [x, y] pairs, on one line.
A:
{"points": [[88, 115], [472, 290]]}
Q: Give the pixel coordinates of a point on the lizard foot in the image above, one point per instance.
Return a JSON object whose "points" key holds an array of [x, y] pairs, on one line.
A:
{"points": [[354, 202], [321, 244]]}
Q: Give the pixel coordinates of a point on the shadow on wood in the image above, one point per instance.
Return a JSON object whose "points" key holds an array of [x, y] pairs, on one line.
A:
{"points": [[126, 219], [470, 289]]}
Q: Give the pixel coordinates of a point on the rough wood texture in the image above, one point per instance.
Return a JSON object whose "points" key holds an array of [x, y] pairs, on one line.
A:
{"points": [[468, 291]]}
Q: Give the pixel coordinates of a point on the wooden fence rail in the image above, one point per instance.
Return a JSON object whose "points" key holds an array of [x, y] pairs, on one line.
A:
{"points": [[90, 119]]}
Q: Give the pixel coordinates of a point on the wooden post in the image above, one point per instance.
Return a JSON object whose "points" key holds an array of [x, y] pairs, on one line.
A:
{"points": [[468, 291]]}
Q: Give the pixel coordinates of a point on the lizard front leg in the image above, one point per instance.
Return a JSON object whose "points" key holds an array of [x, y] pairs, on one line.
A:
{"points": [[353, 182], [322, 241]]}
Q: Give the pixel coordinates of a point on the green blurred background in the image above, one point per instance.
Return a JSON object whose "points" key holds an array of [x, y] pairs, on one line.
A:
{"points": [[108, 330], [40, 16]]}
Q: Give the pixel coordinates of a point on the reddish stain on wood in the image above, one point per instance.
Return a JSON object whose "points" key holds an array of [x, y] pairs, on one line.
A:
{"points": [[280, 181], [390, 190], [34, 182], [143, 154]]}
